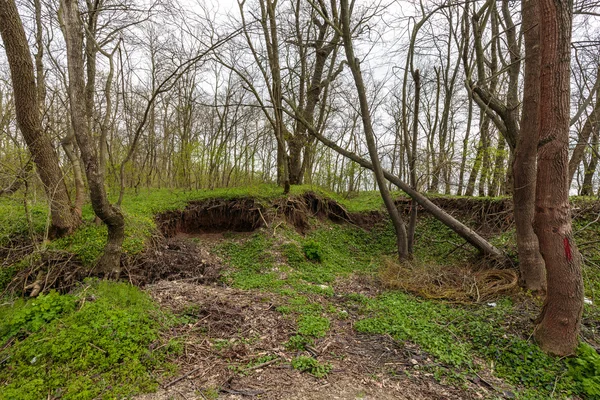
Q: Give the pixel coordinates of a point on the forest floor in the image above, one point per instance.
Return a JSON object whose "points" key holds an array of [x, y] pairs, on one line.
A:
{"points": [[287, 297]]}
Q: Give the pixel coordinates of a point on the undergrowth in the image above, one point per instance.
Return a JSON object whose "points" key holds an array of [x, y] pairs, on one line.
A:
{"points": [[92, 344], [312, 366], [462, 340], [95, 343]]}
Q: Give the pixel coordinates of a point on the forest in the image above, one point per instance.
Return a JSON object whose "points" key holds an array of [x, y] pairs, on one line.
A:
{"points": [[299, 199]]}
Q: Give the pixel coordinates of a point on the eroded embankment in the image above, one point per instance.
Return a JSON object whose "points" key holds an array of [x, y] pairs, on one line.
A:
{"points": [[248, 214]]}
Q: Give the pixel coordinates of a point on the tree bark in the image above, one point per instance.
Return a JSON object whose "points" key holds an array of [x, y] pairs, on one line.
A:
{"points": [[559, 323], [531, 263], [412, 223], [110, 262], [63, 221]]}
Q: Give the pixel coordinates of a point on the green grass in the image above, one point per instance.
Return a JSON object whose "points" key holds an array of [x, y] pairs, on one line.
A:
{"points": [[14, 222], [94, 343]]}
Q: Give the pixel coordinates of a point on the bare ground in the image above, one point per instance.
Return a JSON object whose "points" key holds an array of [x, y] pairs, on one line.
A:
{"points": [[234, 328]]}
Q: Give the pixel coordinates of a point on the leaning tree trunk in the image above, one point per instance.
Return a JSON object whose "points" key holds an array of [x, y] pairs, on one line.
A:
{"points": [[110, 262], [399, 226], [560, 320], [531, 263], [63, 221], [485, 247]]}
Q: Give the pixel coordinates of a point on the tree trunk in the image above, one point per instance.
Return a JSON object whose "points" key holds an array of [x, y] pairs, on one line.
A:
{"points": [[110, 262], [68, 144], [412, 223], [587, 188], [470, 189], [465, 149], [559, 323], [497, 186], [63, 221], [353, 62], [531, 263], [458, 227]]}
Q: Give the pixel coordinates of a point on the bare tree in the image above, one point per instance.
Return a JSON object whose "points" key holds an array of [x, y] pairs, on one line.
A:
{"points": [[110, 262], [63, 220]]}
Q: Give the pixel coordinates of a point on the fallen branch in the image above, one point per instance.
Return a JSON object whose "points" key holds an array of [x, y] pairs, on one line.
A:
{"points": [[262, 365], [182, 377]]}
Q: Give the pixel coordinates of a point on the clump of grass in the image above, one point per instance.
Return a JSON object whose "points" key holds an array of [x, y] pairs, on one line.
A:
{"points": [[298, 342], [312, 251]]}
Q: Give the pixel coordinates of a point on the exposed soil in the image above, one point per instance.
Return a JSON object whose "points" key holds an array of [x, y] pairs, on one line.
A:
{"points": [[177, 258], [212, 216], [233, 328], [216, 216]]}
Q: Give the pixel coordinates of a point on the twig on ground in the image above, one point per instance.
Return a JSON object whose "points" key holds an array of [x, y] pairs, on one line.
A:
{"points": [[262, 365], [182, 377]]}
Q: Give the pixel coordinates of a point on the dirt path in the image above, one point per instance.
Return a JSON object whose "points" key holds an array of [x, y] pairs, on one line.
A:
{"points": [[232, 329]]}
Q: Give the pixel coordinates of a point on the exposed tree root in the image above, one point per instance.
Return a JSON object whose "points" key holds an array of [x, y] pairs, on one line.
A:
{"points": [[46, 270]]}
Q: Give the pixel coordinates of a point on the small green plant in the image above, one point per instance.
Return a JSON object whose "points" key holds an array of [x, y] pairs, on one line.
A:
{"points": [[211, 393], [37, 313], [312, 366], [298, 342], [221, 344], [312, 251], [313, 325], [585, 370], [285, 310]]}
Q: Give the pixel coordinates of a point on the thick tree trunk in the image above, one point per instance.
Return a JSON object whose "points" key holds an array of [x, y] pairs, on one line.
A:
{"points": [[63, 221], [531, 263], [110, 262], [353, 62], [560, 320]]}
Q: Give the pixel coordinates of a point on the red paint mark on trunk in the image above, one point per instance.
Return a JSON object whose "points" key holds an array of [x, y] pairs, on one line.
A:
{"points": [[567, 249]]}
